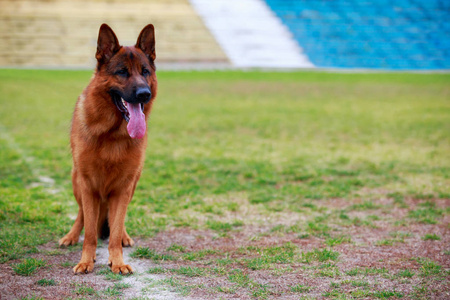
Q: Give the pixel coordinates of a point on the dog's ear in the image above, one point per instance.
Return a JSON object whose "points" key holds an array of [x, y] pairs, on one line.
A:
{"points": [[107, 44], [146, 42]]}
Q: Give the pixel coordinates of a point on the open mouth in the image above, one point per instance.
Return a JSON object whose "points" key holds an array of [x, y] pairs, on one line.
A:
{"points": [[133, 113], [122, 107]]}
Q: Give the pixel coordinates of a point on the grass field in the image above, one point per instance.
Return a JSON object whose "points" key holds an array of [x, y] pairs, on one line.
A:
{"points": [[256, 185]]}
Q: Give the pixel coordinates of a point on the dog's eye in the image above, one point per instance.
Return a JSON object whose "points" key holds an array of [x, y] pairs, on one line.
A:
{"points": [[122, 72], [145, 72]]}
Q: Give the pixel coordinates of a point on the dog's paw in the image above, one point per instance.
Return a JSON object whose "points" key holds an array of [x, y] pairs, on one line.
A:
{"points": [[67, 240], [122, 269], [127, 241], [83, 268]]}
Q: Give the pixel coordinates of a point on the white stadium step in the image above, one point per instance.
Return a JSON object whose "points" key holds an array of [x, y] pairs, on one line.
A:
{"points": [[250, 34]]}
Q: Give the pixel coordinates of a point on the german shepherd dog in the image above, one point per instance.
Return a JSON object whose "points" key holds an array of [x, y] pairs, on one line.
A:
{"points": [[108, 141]]}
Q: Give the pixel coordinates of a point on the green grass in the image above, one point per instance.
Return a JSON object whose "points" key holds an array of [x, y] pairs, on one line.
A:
{"points": [[299, 288], [176, 285], [46, 282], [366, 271], [176, 248], [359, 283], [386, 242], [226, 290], [428, 214], [28, 266], [239, 277], [32, 297], [429, 267], [116, 289], [109, 275], [219, 226], [385, 294], [330, 271], [235, 151], [431, 237], [156, 270], [196, 255], [334, 241], [84, 290], [190, 271], [406, 273], [320, 255], [142, 252]]}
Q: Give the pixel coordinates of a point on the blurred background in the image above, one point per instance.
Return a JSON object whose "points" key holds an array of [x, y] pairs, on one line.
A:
{"points": [[379, 34]]}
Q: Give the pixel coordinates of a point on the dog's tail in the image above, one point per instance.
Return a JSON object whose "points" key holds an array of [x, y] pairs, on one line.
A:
{"points": [[104, 231]]}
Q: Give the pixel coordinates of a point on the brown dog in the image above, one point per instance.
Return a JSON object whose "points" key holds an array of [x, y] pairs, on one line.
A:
{"points": [[108, 143]]}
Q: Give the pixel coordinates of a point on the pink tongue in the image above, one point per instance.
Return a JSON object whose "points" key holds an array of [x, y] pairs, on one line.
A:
{"points": [[136, 126]]}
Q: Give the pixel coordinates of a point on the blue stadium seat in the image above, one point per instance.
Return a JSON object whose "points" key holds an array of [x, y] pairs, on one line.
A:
{"points": [[379, 34]]}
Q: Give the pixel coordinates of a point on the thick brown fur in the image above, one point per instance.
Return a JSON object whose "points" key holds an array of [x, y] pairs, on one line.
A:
{"points": [[107, 162]]}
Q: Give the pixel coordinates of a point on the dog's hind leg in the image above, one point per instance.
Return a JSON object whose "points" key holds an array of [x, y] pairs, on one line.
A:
{"points": [[103, 227], [72, 237], [103, 224], [127, 241]]}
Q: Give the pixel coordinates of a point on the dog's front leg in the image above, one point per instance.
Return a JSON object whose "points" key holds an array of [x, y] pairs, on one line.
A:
{"points": [[91, 208], [117, 211]]}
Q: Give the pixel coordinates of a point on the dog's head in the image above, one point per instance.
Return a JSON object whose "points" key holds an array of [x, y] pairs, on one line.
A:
{"points": [[129, 73]]}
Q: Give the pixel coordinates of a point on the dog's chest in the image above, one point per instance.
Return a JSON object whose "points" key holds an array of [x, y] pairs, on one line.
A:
{"points": [[110, 165]]}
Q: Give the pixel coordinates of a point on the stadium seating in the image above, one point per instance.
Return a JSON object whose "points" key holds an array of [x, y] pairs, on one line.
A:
{"points": [[378, 34], [63, 33]]}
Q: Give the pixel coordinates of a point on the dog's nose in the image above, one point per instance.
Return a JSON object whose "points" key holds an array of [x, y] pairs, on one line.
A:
{"points": [[143, 94]]}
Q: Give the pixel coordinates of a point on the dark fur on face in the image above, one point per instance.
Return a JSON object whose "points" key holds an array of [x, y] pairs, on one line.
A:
{"points": [[130, 69]]}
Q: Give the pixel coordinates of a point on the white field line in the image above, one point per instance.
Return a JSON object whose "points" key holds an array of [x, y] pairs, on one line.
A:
{"points": [[37, 171], [144, 285]]}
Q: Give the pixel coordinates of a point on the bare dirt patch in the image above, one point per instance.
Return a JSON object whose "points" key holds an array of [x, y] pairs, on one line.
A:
{"points": [[346, 250], [377, 265]]}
